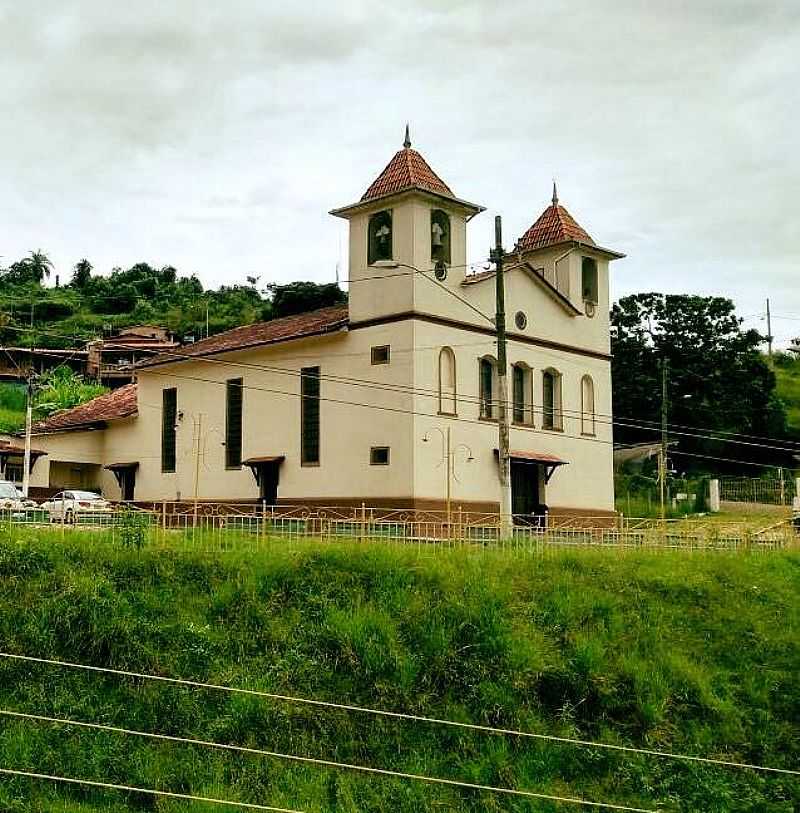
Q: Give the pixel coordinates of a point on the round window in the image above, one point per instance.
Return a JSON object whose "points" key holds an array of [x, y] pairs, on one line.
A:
{"points": [[520, 320]]}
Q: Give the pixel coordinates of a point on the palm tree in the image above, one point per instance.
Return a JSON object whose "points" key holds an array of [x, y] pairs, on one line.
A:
{"points": [[38, 265], [81, 273]]}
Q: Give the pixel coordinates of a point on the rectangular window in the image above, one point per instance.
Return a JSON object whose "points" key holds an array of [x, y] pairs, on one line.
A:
{"points": [[309, 416], [486, 388], [589, 279], [233, 423], [519, 394], [169, 417], [380, 355], [379, 456]]}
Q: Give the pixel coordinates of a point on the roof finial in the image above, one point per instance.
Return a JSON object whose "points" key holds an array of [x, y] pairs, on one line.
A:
{"points": [[407, 142], [555, 193]]}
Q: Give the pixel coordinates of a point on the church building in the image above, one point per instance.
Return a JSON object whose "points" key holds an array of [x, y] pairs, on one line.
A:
{"points": [[389, 401]]}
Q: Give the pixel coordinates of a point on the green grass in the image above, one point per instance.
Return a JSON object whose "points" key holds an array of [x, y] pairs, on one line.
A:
{"points": [[787, 372], [693, 653], [12, 407]]}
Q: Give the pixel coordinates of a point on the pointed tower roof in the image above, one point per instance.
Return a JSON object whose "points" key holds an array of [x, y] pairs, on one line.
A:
{"points": [[407, 171], [555, 225]]}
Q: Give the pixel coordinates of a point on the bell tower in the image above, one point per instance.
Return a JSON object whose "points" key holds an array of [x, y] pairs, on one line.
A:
{"points": [[407, 239]]}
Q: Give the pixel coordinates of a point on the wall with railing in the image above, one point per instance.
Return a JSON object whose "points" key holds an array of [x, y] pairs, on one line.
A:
{"points": [[224, 525]]}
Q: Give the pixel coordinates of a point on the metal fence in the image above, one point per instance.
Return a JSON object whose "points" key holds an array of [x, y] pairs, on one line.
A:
{"points": [[221, 526], [778, 491]]}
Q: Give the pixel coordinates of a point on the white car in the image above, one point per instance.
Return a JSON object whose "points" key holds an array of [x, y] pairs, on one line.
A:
{"points": [[67, 506], [12, 502]]}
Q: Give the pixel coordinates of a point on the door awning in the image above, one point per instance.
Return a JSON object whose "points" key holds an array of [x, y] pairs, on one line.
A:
{"points": [[14, 450], [134, 464], [257, 461], [257, 465], [550, 461]]}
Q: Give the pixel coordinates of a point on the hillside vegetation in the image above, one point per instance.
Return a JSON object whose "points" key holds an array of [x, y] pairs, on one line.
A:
{"points": [[697, 654], [787, 373], [34, 313]]}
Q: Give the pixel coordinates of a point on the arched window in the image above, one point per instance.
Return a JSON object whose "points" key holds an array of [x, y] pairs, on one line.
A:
{"points": [[587, 405], [380, 237], [551, 400], [447, 381], [487, 372], [522, 394], [440, 236]]}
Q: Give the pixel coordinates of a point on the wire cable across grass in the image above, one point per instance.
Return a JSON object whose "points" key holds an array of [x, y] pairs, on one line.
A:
{"points": [[399, 715], [148, 791], [327, 763]]}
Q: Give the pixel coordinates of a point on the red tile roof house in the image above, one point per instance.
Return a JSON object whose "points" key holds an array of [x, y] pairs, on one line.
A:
{"points": [[352, 405]]}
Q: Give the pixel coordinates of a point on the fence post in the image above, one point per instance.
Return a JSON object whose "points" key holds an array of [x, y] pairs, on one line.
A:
{"points": [[363, 520], [713, 496], [797, 488], [263, 519]]}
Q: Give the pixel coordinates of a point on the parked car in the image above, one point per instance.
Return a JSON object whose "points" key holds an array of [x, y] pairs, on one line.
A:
{"points": [[68, 506], [11, 500]]}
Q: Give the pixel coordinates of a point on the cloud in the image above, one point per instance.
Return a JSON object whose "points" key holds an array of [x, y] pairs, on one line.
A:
{"points": [[217, 136]]}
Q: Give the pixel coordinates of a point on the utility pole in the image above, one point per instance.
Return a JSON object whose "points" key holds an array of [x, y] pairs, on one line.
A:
{"points": [[504, 460], [26, 464], [769, 331], [662, 458]]}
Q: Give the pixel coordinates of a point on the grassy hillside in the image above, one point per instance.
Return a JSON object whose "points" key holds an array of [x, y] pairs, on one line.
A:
{"points": [[12, 407], [787, 371], [698, 654]]}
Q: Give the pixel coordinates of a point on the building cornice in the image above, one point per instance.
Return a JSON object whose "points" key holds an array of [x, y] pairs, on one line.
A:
{"points": [[444, 321]]}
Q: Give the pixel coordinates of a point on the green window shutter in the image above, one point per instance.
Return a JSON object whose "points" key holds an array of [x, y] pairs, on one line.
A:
{"points": [[309, 415], [233, 423], [169, 417]]}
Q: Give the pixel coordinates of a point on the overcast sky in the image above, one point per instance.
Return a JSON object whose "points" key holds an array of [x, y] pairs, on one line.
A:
{"points": [[216, 136]]}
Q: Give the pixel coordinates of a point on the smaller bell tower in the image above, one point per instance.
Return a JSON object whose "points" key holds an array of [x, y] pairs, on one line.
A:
{"points": [[407, 226]]}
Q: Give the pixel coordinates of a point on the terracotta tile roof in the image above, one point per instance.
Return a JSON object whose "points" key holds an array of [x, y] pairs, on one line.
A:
{"points": [[112, 406], [407, 170], [7, 448], [325, 320], [555, 225], [477, 277]]}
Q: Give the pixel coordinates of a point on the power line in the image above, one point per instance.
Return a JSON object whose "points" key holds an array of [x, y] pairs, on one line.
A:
{"points": [[402, 411], [325, 763], [635, 423], [403, 389], [147, 791], [397, 715]]}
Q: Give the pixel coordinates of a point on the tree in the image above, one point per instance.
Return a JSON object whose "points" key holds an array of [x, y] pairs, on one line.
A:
{"points": [[32, 269], [81, 274], [300, 297], [61, 388], [718, 378]]}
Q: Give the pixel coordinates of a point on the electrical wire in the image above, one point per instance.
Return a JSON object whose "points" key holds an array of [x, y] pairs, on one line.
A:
{"points": [[402, 411], [635, 423], [397, 715], [147, 791], [325, 763], [178, 356]]}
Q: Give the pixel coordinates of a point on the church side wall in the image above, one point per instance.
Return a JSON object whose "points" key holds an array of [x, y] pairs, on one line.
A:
{"points": [[584, 485]]}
